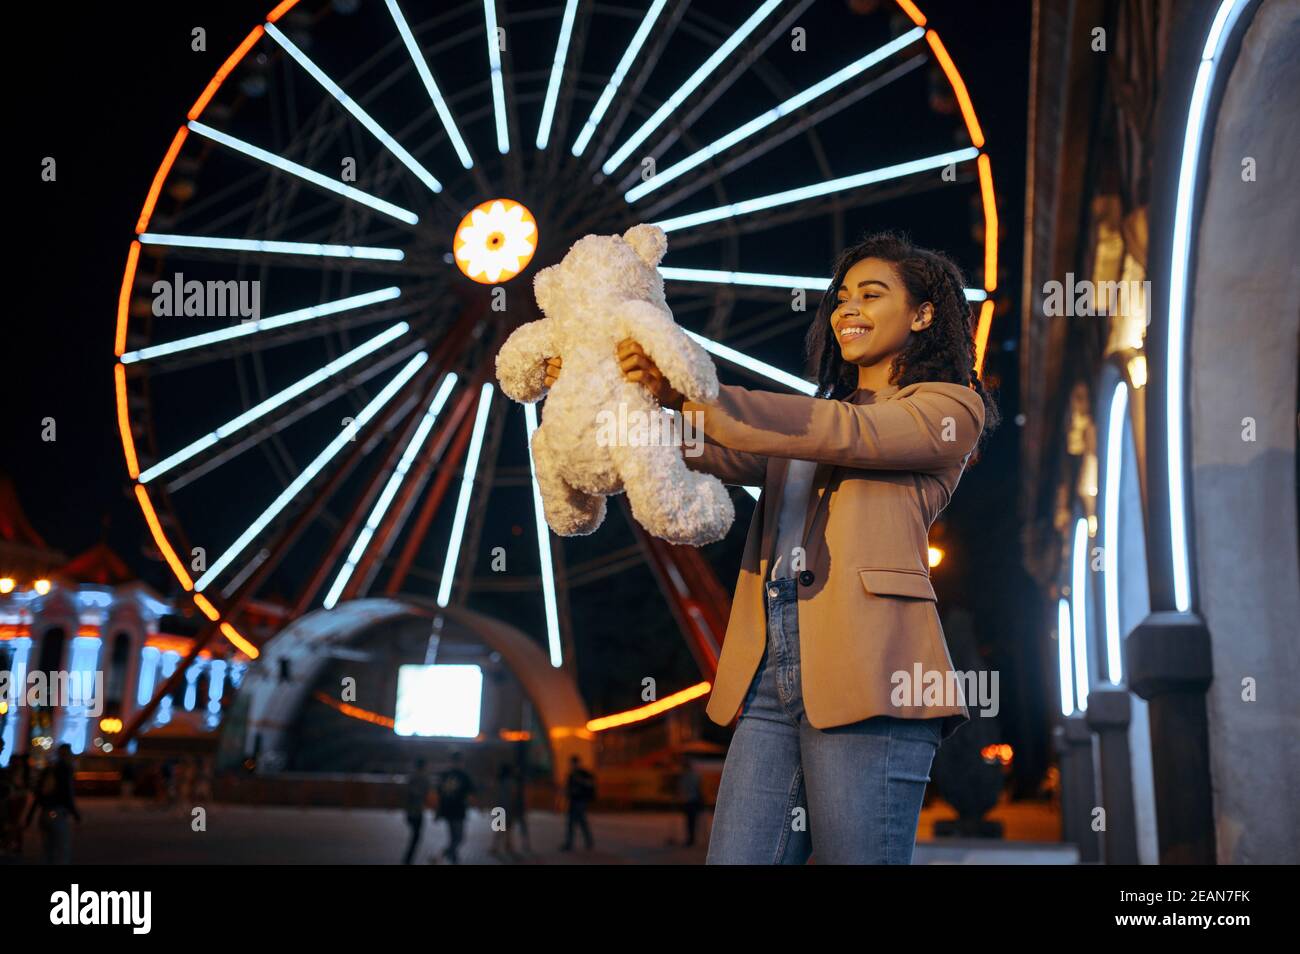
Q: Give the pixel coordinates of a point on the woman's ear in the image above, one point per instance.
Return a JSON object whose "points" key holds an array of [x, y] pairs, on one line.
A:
{"points": [[924, 316]]}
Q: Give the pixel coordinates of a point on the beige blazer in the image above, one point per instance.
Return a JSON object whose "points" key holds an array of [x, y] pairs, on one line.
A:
{"points": [[887, 465]]}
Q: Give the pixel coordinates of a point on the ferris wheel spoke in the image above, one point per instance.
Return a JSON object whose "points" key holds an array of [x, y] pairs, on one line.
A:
{"points": [[498, 84], [208, 462], [307, 175], [414, 445], [693, 181], [606, 97], [782, 110], [273, 246], [296, 390], [466, 493], [683, 92], [803, 193], [351, 105], [309, 473], [557, 73], [431, 85], [255, 327], [549, 601], [766, 280], [701, 97]]}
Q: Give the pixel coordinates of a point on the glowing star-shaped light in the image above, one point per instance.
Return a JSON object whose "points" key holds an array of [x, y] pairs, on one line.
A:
{"points": [[496, 241]]}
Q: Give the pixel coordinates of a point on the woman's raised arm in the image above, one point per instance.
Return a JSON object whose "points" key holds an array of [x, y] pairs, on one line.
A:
{"points": [[928, 426]]}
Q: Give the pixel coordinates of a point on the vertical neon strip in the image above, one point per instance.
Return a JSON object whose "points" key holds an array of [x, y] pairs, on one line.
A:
{"points": [[544, 549], [466, 491], [1114, 470]]}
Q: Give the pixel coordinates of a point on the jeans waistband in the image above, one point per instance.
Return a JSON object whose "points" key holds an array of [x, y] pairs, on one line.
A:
{"points": [[784, 590]]}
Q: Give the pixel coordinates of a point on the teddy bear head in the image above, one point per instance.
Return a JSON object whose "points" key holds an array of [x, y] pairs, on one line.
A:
{"points": [[600, 272]]}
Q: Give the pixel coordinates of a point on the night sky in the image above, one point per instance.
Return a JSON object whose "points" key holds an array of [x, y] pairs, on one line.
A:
{"points": [[112, 84]]}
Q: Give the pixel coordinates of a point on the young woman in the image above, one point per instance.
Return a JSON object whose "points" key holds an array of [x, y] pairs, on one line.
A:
{"points": [[834, 658]]}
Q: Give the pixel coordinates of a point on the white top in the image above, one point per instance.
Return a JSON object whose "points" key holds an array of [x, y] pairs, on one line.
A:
{"points": [[789, 524]]}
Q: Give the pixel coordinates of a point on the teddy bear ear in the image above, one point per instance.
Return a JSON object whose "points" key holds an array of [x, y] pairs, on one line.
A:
{"points": [[649, 241], [545, 287]]}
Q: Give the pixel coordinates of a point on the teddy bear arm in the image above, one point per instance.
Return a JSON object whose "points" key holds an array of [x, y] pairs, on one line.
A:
{"points": [[685, 364], [521, 362]]}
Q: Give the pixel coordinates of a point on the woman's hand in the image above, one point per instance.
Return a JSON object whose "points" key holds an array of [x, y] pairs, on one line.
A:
{"points": [[637, 366], [552, 370]]}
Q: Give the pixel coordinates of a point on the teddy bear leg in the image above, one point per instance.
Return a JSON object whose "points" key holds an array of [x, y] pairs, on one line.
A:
{"points": [[569, 512], [671, 501]]}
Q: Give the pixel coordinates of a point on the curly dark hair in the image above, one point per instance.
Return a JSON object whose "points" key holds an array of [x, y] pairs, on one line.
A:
{"points": [[945, 351]]}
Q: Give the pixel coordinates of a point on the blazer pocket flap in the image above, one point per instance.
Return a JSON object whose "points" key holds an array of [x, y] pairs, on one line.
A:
{"points": [[898, 583]]}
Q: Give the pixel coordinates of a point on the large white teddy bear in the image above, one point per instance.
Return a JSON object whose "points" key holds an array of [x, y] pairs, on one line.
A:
{"points": [[608, 288]]}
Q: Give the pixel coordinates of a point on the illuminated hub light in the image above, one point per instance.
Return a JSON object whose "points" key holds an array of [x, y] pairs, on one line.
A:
{"points": [[311, 470], [308, 175], [792, 104], [466, 491], [1179, 265], [274, 401], [435, 94], [544, 548], [439, 700], [790, 196], [394, 484], [557, 72], [1114, 459], [718, 57], [495, 241], [498, 87], [620, 72], [263, 324], [282, 248], [1079, 610], [361, 116], [110, 725]]}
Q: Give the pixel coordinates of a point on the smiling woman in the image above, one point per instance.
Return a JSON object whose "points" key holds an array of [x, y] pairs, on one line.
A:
{"points": [[835, 569]]}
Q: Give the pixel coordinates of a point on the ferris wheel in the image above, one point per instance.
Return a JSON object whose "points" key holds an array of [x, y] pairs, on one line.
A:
{"points": [[344, 228]]}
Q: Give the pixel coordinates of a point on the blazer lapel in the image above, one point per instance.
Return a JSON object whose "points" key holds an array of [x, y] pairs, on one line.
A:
{"points": [[816, 496], [771, 504]]}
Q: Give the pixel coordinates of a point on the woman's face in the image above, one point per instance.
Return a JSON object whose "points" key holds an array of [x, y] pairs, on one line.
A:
{"points": [[874, 316]]}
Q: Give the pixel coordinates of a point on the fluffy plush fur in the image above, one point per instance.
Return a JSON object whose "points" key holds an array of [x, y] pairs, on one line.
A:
{"points": [[608, 288]]}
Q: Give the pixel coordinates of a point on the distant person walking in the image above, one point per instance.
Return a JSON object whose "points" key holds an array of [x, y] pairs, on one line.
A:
{"points": [[580, 788], [54, 802], [454, 789], [417, 797], [510, 798], [688, 790]]}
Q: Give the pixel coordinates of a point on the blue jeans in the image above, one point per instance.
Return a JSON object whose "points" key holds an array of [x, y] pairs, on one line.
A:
{"points": [[852, 793]]}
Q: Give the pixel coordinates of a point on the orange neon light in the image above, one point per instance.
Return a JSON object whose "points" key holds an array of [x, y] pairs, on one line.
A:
{"points": [[239, 642], [958, 87], [124, 422], [205, 607], [17, 631], [169, 644], [280, 10], [515, 735], [982, 334], [910, 9], [160, 538], [650, 710], [231, 62], [124, 298], [355, 712], [158, 177], [990, 223]]}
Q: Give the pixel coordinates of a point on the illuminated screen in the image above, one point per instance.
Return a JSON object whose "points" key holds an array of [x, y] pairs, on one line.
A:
{"points": [[439, 700]]}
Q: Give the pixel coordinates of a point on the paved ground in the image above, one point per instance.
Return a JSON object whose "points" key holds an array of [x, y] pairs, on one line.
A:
{"points": [[116, 833]]}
